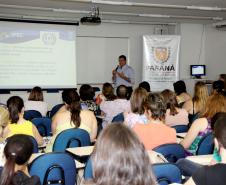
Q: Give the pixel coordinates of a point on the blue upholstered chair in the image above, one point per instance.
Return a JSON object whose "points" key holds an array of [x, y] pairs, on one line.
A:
{"points": [[118, 118], [43, 125], [172, 152], [206, 145], [167, 173], [55, 109], [74, 137], [54, 168], [31, 114], [180, 128]]}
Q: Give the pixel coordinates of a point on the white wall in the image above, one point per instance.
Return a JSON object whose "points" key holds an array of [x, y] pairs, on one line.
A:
{"points": [[215, 52], [192, 47], [197, 45], [134, 34]]}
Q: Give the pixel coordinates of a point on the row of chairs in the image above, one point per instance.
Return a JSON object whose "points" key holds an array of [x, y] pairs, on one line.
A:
{"points": [[60, 168], [166, 173], [31, 114], [55, 172]]}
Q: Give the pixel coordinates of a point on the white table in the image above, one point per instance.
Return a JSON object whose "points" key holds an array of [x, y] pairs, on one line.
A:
{"points": [[81, 151], [181, 135], [201, 159]]}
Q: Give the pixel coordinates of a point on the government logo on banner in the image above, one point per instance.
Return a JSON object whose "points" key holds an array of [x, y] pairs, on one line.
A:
{"points": [[160, 60]]}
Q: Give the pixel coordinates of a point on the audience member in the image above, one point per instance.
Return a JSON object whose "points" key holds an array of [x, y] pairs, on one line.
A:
{"points": [[113, 108], [222, 77], [218, 87], [197, 104], [123, 161], [17, 152], [215, 103], [155, 133], [174, 114], [214, 174], [73, 117], [87, 99], [145, 85], [137, 111], [18, 125], [187, 167], [65, 95], [106, 95], [4, 121], [36, 101], [181, 92]]}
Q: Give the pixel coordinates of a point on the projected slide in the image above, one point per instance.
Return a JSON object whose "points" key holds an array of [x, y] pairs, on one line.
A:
{"points": [[37, 54]]}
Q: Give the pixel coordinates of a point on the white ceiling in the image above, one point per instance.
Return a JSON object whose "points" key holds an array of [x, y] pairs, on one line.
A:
{"points": [[131, 10]]}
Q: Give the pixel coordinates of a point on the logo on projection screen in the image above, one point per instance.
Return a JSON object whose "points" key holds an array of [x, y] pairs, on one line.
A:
{"points": [[161, 54], [49, 38]]}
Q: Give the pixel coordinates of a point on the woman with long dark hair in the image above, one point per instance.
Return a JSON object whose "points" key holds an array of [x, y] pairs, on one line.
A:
{"points": [[18, 125], [73, 117], [17, 152], [120, 158]]}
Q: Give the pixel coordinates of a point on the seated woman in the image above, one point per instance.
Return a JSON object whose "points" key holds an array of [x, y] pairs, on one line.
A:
{"points": [[181, 92], [18, 125], [214, 174], [174, 114], [146, 86], [4, 121], [120, 158], [17, 152], [64, 99], [155, 132], [200, 127], [36, 101], [73, 117], [218, 87], [198, 102], [137, 111], [106, 95], [87, 94]]}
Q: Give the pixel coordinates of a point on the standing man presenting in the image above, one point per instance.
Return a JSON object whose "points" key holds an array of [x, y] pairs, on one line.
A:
{"points": [[124, 75]]}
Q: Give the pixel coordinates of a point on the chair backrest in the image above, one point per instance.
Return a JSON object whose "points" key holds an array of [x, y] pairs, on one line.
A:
{"points": [[43, 125], [54, 168], [118, 118], [35, 144], [55, 109], [74, 137], [167, 173], [31, 114], [180, 128], [88, 171], [172, 152], [206, 145]]}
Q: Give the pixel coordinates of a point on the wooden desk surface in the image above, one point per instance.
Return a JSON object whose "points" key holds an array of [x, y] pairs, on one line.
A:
{"points": [[201, 159], [81, 151]]}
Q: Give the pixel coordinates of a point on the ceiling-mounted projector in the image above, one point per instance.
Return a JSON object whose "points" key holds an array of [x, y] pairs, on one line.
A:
{"points": [[93, 18]]}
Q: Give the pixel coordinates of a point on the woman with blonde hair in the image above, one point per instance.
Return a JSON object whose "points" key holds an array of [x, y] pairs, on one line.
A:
{"points": [[202, 126], [123, 161], [36, 101], [197, 104], [4, 120]]}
